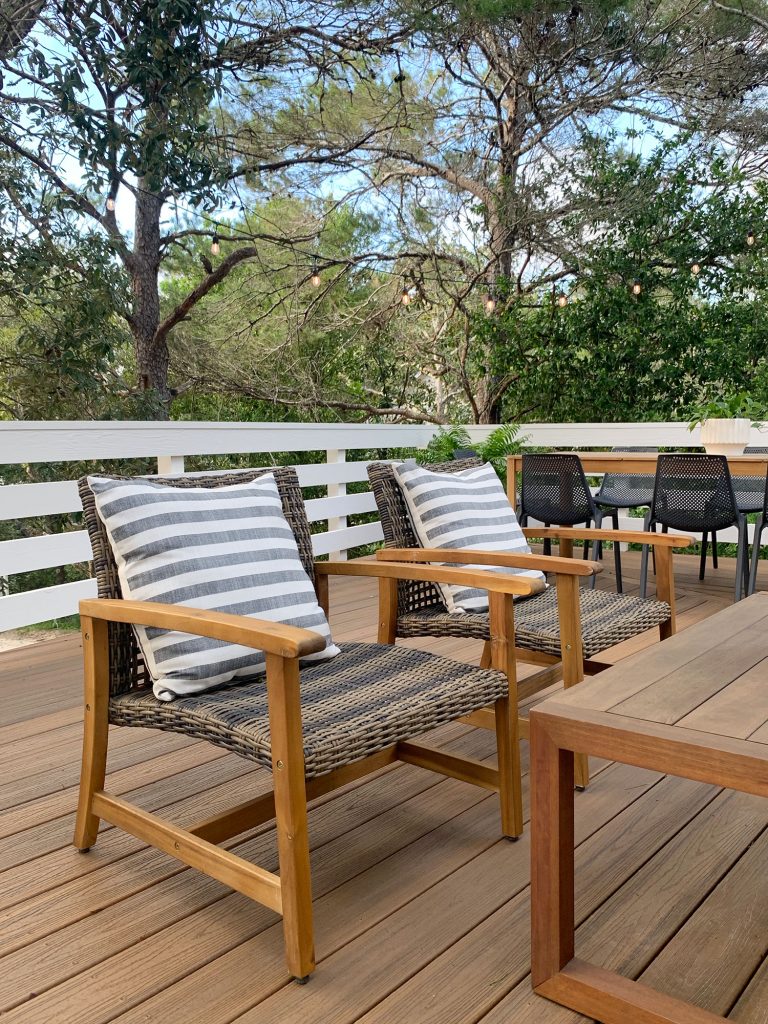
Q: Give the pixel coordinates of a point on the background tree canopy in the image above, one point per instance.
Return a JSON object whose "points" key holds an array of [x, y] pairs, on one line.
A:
{"points": [[471, 210]]}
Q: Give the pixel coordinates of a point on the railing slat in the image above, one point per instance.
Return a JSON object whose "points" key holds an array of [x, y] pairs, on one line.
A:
{"points": [[345, 505], [22, 501], [47, 603], [44, 552], [351, 537]]}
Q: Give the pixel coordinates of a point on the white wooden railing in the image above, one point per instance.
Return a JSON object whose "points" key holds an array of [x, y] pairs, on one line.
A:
{"points": [[25, 443]]}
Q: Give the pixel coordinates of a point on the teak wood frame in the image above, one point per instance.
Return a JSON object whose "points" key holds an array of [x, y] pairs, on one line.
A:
{"points": [[555, 732], [571, 666], [288, 893]]}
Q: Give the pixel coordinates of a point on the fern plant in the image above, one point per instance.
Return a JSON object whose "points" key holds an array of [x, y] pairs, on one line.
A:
{"points": [[500, 443]]}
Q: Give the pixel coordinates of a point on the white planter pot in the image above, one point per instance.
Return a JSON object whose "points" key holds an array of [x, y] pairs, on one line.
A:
{"points": [[725, 437]]}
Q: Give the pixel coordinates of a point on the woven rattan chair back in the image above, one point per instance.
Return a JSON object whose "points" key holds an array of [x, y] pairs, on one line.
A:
{"points": [[627, 490], [694, 493], [413, 596], [127, 670], [555, 490]]}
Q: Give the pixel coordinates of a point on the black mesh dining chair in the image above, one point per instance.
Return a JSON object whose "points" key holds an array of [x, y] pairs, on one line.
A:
{"points": [[555, 491], [624, 490], [694, 493], [749, 496]]}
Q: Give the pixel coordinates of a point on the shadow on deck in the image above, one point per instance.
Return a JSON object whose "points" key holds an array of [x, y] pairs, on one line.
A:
{"points": [[421, 913]]}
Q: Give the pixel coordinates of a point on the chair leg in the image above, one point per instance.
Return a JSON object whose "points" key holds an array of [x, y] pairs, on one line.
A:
{"points": [[486, 657], [291, 813], [617, 554], [741, 551], [703, 560], [95, 728], [752, 585], [714, 550], [387, 611], [598, 546], [501, 616], [650, 527], [572, 650]]}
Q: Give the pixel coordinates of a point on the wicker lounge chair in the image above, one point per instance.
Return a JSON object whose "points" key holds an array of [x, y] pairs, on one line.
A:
{"points": [[563, 628], [350, 715]]}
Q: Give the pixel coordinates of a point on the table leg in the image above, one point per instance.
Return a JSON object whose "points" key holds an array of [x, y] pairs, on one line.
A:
{"points": [[552, 838]]}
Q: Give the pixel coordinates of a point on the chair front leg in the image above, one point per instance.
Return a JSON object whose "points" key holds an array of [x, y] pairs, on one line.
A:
{"points": [[387, 611], [617, 554], [572, 652], [759, 526], [741, 560], [703, 559], [291, 813], [502, 627], [95, 728], [648, 526]]}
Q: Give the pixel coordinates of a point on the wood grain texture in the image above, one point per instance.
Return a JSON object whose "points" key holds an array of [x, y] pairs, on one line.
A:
{"points": [[421, 912]]}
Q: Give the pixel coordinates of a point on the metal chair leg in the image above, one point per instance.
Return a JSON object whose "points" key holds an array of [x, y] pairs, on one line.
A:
{"points": [[598, 546], [740, 584], [703, 560], [714, 550], [617, 554], [752, 585], [647, 526]]}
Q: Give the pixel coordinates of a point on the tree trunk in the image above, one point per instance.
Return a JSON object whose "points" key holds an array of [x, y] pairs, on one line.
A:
{"points": [[152, 357]]}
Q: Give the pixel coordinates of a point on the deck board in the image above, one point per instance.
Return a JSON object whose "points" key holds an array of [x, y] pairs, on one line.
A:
{"points": [[421, 912]]}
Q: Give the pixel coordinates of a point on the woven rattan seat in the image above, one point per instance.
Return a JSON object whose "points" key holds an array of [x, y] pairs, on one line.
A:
{"points": [[367, 698], [606, 619]]}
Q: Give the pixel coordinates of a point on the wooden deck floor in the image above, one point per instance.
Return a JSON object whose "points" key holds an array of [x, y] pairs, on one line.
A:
{"points": [[421, 912]]}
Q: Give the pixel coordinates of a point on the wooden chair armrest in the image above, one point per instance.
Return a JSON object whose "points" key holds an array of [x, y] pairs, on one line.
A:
{"points": [[271, 637], [663, 540], [544, 563], [480, 579]]}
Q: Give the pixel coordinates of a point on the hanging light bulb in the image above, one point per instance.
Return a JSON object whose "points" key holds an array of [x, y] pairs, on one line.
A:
{"points": [[562, 300], [490, 303], [405, 296], [315, 279], [215, 245], [636, 286], [751, 238], [695, 268], [110, 203]]}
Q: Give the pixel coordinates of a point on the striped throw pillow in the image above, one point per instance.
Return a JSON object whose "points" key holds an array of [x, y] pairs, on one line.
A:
{"points": [[224, 549], [466, 510]]}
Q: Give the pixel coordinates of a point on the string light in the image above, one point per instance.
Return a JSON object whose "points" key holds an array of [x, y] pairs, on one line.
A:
{"points": [[562, 300], [110, 203], [751, 239], [490, 303], [695, 268], [215, 245], [315, 279], [636, 286], [405, 297]]}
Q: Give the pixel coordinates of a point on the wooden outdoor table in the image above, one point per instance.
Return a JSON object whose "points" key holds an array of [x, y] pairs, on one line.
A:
{"points": [[695, 706], [642, 463]]}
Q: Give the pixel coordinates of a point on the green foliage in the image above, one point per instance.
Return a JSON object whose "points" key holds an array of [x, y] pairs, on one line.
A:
{"points": [[736, 406], [501, 442]]}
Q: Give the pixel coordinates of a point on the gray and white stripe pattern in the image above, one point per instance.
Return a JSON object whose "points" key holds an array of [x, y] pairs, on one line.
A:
{"points": [[225, 549], [466, 510]]}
